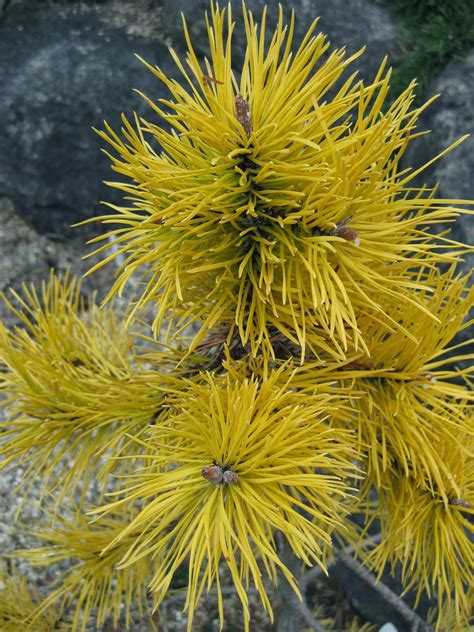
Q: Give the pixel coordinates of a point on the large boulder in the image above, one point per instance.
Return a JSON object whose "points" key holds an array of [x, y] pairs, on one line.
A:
{"points": [[65, 66], [448, 118], [27, 257], [63, 70]]}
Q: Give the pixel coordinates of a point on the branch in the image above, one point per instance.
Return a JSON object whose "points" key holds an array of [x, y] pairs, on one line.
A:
{"points": [[317, 571], [310, 621], [294, 614], [416, 622]]}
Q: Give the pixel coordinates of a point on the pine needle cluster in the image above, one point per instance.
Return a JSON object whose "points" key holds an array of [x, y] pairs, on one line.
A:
{"points": [[270, 205], [18, 601], [75, 385], [93, 584], [236, 461], [300, 366]]}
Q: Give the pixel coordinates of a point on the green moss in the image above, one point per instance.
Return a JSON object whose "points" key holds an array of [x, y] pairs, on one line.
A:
{"points": [[433, 33]]}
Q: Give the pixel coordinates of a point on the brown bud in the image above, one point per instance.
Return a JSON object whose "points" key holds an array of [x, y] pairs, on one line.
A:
{"points": [[242, 113], [213, 474], [230, 477], [347, 233]]}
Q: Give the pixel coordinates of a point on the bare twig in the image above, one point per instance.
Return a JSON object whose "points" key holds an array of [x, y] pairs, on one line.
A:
{"points": [[416, 622], [294, 613], [459, 502], [316, 572], [310, 621]]}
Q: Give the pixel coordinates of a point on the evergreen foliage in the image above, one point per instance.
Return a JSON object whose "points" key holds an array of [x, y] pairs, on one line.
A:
{"points": [[300, 354], [433, 33]]}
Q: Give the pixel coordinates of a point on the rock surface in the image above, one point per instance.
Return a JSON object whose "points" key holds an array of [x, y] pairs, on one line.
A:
{"points": [[27, 257], [450, 117], [66, 66], [64, 70]]}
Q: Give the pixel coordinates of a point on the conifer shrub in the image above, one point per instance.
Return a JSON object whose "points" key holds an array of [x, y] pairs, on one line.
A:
{"points": [[287, 363]]}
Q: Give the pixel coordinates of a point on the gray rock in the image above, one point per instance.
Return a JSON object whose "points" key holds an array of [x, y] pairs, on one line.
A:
{"points": [[63, 70], [348, 23], [65, 66], [448, 118], [27, 257]]}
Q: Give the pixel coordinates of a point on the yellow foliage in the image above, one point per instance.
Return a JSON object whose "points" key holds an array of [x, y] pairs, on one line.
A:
{"points": [[75, 386], [320, 378], [18, 602], [235, 462], [93, 585], [269, 205]]}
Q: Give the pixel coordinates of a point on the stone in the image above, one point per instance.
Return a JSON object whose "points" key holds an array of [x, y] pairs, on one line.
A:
{"points": [[27, 257], [66, 66], [450, 117], [64, 70]]}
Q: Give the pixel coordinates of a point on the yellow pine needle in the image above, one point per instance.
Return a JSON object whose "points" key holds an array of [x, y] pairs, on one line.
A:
{"points": [[404, 398], [448, 618], [431, 539], [18, 602], [275, 220], [293, 472], [288, 224], [92, 585], [73, 387], [413, 423]]}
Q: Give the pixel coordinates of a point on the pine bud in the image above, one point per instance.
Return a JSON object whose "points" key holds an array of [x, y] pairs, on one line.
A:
{"points": [[230, 477], [347, 233], [213, 474], [242, 112]]}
